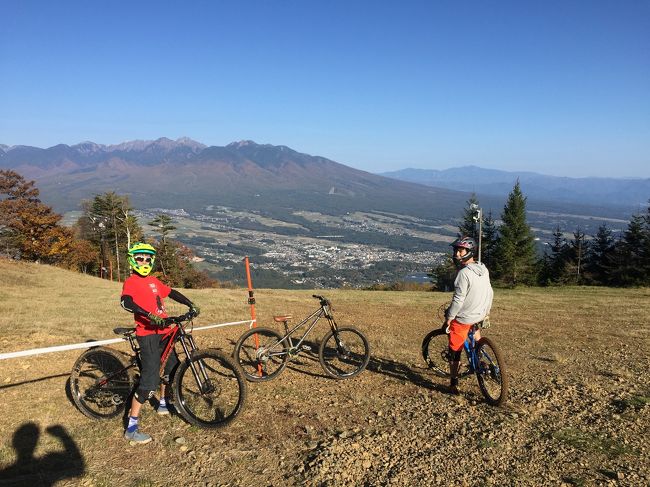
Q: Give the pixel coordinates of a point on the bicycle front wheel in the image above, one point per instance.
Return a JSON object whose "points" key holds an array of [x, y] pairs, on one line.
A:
{"points": [[209, 389], [260, 354], [435, 352], [491, 372], [344, 352], [101, 383]]}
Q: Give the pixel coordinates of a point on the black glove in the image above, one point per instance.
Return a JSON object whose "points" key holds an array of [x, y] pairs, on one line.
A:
{"points": [[195, 310]]}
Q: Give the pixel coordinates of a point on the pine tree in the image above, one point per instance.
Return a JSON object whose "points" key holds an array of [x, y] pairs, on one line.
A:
{"points": [[645, 251], [554, 263], [600, 257], [516, 259], [167, 255], [443, 275], [489, 241], [578, 249], [109, 224], [629, 267], [469, 224]]}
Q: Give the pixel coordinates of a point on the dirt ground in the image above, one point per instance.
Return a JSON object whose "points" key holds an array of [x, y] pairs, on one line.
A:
{"points": [[578, 412]]}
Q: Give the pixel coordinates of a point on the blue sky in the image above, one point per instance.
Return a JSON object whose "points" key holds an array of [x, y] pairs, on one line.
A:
{"points": [[559, 87]]}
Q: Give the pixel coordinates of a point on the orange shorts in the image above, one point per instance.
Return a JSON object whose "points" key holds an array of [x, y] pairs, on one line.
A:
{"points": [[458, 334]]}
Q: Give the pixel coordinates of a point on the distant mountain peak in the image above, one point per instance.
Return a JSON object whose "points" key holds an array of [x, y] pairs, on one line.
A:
{"points": [[241, 143], [190, 142], [88, 147], [163, 143]]}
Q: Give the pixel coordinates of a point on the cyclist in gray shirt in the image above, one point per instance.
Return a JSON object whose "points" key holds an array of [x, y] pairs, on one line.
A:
{"points": [[471, 303]]}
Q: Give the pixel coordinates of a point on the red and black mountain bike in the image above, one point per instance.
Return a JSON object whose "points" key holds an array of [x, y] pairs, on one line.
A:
{"points": [[208, 388]]}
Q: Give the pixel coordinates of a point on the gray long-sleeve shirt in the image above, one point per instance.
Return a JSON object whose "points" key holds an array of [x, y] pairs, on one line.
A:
{"points": [[473, 294]]}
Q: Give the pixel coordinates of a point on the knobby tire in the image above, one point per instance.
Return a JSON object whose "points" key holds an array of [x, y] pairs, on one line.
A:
{"points": [[101, 383], [221, 396], [345, 357], [259, 354], [491, 372], [435, 352]]}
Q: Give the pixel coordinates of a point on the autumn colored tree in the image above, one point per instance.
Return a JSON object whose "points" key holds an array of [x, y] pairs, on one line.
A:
{"points": [[83, 256], [30, 229], [179, 271]]}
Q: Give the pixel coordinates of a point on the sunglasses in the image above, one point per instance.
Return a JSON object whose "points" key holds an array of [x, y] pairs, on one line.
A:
{"points": [[142, 258]]}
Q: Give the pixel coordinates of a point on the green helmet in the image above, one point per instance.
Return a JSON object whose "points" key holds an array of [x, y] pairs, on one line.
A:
{"points": [[140, 265]]}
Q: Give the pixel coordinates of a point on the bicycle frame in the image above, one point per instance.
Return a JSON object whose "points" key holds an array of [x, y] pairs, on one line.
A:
{"points": [[470, 352], [176, 334], [321, 312], [472, 355]]}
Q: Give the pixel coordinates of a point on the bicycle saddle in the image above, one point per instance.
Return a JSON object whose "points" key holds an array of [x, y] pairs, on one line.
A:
{"points": [[282, 318], [123, 331]]}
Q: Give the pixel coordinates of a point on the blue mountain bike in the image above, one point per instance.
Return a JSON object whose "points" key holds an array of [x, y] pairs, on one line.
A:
{"points": [[483, 359]]}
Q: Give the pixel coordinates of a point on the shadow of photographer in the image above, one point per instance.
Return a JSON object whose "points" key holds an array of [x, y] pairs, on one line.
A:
{"points": [[47, 469]]}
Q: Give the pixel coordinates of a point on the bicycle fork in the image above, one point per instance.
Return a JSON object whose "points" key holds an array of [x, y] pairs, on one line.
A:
{"points": [[341, 349], [197, 367]]}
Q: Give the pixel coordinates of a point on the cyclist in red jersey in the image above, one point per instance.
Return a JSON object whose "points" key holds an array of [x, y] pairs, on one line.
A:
{"points": [[143, 295]]}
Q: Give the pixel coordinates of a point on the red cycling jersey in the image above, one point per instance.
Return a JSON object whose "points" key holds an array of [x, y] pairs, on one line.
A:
{"points": [[148, 293]]}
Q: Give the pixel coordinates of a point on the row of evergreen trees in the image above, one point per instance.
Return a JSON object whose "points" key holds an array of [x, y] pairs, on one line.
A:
{"points": [[98, 242], [510, 253]]}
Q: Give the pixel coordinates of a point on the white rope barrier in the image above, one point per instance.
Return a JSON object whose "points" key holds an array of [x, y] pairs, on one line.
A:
{"points": [[62, 348]]}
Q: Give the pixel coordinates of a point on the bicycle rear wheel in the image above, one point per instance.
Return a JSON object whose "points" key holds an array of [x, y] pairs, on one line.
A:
{"points": [[491, 372], [344, 353], [435, 352], [209, 389], [260, 355], [101, 383]]}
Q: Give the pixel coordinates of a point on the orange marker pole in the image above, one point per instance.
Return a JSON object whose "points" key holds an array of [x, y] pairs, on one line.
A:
{"points": [[251, 298], [251, 301]]}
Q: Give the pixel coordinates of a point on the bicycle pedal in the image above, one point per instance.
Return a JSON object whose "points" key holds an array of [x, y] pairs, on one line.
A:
{"points": [[305, 348]]}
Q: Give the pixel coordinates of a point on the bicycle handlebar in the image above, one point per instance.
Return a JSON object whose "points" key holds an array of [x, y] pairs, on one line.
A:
{"points": [[323, 301], [178, 320]]}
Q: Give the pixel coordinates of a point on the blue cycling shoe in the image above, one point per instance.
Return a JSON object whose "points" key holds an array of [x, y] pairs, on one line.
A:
{"points": [[137, 437]]}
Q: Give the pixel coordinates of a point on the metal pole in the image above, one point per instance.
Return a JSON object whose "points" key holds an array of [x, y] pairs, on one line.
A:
{"points": [[480, 232]]}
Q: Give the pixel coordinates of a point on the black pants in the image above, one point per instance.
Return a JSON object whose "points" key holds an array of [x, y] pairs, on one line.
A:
{"points": [[151, 348]]}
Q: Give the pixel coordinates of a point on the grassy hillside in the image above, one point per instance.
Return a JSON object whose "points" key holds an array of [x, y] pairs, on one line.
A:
{"points": [[578, 410]]}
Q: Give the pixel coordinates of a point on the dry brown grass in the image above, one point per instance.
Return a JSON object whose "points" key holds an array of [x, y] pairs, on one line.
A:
{"points": [[575, 335]]}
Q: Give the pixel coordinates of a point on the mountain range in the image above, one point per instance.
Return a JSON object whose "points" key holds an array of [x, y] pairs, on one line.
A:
{"points": [[186, 174], [190, 175], [591, 191]]}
